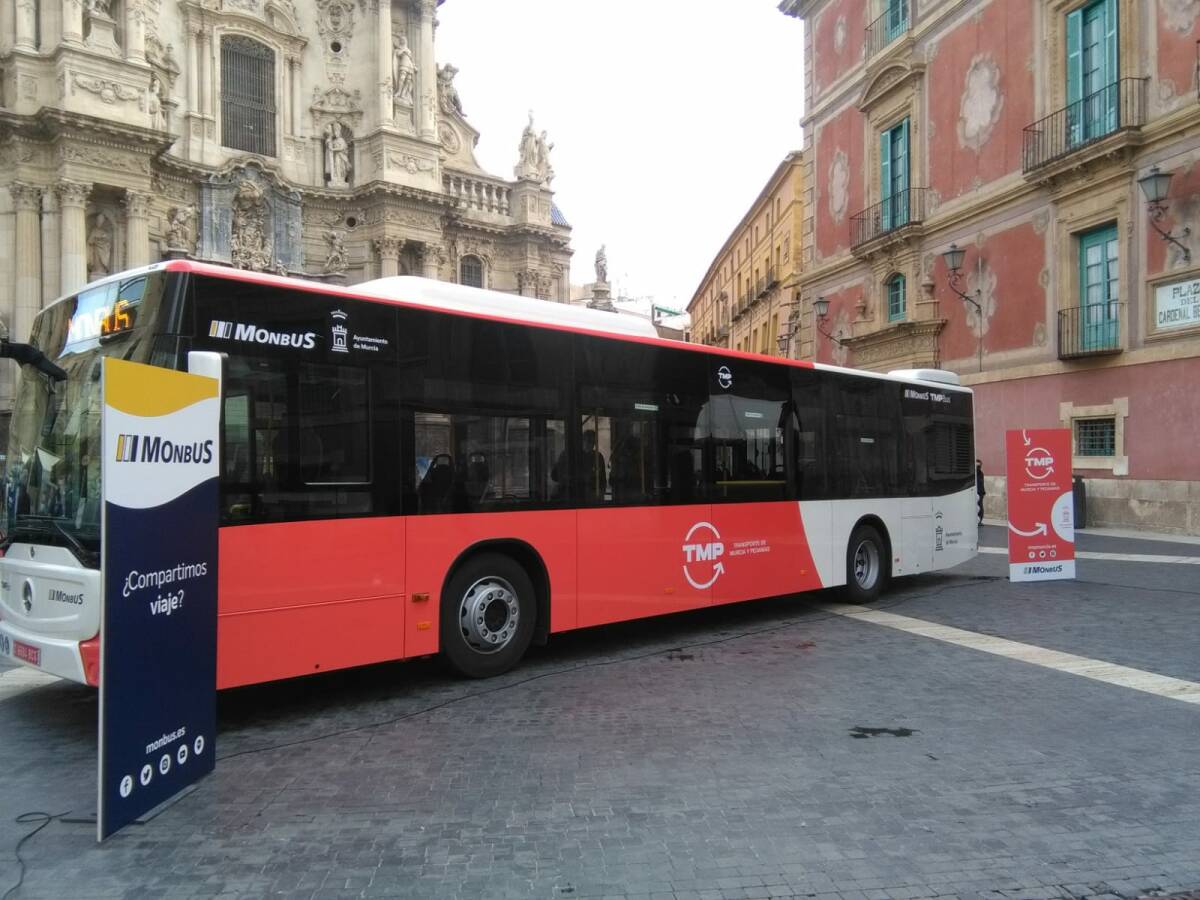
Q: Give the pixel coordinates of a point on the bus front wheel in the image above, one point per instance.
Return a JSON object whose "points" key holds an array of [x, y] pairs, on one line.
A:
{"points": [[867, 565], [488, 616]]}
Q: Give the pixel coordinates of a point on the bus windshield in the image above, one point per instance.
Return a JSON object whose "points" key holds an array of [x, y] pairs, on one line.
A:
{"points": [[52, 479]]}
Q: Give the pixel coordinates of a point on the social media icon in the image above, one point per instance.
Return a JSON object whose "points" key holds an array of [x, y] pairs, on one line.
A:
{"points": [[198, 745], [147, 774], [164, 764], [181, 754], [126, 786]]}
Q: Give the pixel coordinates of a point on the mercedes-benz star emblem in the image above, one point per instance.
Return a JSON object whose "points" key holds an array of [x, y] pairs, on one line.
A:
{"points": [[27, 597]]}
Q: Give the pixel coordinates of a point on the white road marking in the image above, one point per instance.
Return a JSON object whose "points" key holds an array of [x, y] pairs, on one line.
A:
{"points": [[1116, 557], [21, 679], [1096, 669]]}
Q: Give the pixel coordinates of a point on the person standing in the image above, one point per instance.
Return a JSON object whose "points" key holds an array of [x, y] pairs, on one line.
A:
{"points": [[979, 490]]}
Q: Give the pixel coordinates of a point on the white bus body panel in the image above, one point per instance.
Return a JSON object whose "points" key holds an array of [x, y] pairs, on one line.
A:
{"points": [[912, 528], [64, 608]]}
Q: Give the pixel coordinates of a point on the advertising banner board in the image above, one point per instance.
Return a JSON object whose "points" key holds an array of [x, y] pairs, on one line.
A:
{"points": [[158, 631], [1041, 507]]}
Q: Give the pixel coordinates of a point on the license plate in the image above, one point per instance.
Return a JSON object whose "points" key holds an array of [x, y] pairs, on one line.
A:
{"points": [[27, 653]]}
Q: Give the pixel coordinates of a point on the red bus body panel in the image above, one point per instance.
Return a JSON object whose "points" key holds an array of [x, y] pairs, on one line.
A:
{"points": [[304, 597]]}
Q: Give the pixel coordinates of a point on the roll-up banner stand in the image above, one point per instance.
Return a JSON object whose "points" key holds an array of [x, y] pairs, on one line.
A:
{"points": [[158, 631], [1041, 510]]}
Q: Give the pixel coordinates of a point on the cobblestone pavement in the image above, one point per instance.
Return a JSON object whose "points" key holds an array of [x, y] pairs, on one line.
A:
{"points": [[765, 750]]}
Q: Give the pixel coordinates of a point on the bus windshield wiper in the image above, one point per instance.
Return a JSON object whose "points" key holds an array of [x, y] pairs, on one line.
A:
{"points": [[47, 526], [27, 354]]}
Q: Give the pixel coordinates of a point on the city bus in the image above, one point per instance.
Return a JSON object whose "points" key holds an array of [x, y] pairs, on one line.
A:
{"points": [[411, 468]]}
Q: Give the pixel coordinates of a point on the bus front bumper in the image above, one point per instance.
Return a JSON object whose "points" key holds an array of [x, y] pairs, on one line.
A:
{"points": [[74, 660]]}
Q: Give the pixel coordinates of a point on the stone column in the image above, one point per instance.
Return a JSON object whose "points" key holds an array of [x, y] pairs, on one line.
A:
{"points": [[72, 19], [193, 71], [294, 86], [389, 256], [137, 229], [51, 250], [72, 200], [383, 61], [429, 260], [27, 201], [26, 31], [427, 98], [135, 31], [205, 45]]}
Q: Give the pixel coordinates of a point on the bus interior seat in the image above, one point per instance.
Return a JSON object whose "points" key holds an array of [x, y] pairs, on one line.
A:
{"points": [[435, 488]]}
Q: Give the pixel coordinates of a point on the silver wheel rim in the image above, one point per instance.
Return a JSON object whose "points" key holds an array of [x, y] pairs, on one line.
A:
{"points": [[489, 615], [866, 564]]}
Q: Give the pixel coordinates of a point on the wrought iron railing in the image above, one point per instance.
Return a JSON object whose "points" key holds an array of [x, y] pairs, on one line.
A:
{"points": [[897, 211], [1115, 107], [1090, 330], [889, 26]]}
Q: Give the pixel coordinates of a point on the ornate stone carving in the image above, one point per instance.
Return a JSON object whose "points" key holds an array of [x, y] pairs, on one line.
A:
{"points": [[137, 204], [338, 104], [100, 240], [388, 248], [73, 193], [339, 168], [179, 228], [155, 99], [252, 6], [404, 71], [411, 164], [448, 98], [13, 155], [25, 197], [101, 158], [335, 260], [249, 245], [533, 156], [601, 266], [108, 91]]}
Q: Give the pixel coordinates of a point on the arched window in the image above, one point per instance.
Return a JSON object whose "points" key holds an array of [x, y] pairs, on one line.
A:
{"points": [[470, 271], [895, 296], [247, 95]]}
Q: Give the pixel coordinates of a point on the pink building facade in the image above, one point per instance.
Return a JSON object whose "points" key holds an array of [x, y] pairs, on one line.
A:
{"points": [[1022, 134]]}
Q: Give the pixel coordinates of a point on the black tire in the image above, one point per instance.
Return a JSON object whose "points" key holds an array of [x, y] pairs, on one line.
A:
{"points": [[488, 616], [868, 565]]}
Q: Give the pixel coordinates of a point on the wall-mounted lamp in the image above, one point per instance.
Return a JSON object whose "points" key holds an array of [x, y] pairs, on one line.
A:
{"points": [[954, 259], [1156, 186], [821, 305]]}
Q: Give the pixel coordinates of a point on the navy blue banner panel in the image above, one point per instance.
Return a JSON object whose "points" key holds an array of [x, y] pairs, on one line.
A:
{"points": [[158, 638]]}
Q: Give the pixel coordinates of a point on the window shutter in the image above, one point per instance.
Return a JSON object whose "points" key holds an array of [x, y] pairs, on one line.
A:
{"points": [[900, 163], [1075, 56], [885, 178]]}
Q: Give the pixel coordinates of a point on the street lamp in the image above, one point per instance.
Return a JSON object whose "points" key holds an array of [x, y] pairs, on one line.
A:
{"points": [[821, 305], [954, 260], [1156, 186]]}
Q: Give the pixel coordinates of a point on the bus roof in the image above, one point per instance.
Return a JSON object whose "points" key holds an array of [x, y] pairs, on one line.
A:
{"points": [[407, 290]]}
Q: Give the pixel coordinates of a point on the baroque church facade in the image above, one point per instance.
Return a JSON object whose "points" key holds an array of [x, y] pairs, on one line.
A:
{"points": [[318, 139]]}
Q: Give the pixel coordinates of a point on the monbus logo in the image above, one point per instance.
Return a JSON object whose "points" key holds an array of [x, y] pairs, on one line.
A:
{"points": [[701, 565], [149, 448], [240, 331]]}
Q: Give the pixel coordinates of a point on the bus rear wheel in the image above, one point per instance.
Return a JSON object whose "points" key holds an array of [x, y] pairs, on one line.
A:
{"points": [[488, 616], [867, 565]]}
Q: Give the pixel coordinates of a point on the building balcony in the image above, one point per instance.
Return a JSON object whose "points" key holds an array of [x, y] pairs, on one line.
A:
{"points": [[1093, 330], [1117, 108], [892, 217], [894, 23]]}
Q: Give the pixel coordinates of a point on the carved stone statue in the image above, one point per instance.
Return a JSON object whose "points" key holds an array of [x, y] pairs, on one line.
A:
{"points": [[100, 247], [533, 156], [337, 156], [335, 262], [154, 104], [179, 236], [404, 70], [447, 93], [100, 8], [601, 266], [248, 244]]}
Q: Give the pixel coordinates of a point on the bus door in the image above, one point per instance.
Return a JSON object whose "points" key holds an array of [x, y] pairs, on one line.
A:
{"points": [[645, 541], [754, 428]]}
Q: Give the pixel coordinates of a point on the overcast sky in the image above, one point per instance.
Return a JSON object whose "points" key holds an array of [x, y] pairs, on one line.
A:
{"points": [[667, 118]]}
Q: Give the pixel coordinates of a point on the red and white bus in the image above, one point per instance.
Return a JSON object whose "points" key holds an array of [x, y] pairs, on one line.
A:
{"points": [[410, 467]]}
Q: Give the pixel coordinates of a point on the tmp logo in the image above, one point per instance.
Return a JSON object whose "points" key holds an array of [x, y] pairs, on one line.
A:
{"points": [[339, 332], [1039, 463], [702, 552], [725, 377]]}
